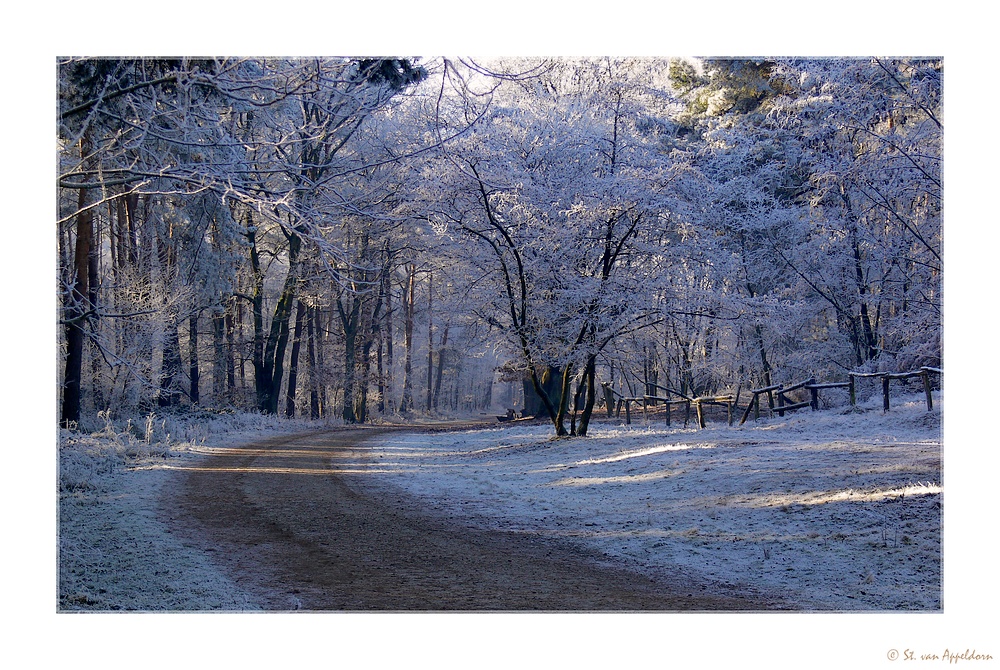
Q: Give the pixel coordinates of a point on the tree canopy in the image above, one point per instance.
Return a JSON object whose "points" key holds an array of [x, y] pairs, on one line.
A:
{"points": [[332, 236]]}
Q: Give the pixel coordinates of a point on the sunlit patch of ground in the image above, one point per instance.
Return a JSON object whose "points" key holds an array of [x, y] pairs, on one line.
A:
{"points": [[842, 511]]}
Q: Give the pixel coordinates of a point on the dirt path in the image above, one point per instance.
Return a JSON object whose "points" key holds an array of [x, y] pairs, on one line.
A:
{"points": [[292, 523]]}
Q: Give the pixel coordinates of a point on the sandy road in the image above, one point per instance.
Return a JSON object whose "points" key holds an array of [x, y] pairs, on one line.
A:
{"points": [[290, 521]]}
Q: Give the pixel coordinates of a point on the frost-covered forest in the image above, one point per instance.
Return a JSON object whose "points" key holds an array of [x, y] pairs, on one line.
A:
{"points": [[366, 238], [361, 240]]}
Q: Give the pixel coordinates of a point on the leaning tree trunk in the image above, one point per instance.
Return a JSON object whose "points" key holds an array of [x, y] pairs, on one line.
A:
{"points": [[269, 369], [277, 342]]}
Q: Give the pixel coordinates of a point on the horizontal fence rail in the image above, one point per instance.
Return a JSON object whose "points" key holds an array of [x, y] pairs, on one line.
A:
{"points": [[778, 399]]}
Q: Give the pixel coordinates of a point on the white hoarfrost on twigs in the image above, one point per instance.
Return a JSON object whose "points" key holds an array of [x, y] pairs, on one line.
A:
{"points": [[828, 510]]}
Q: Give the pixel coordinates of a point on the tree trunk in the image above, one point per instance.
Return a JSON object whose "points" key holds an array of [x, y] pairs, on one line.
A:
{"points": [[380, 373], [350, 322], [277, 341], [293, 365], [269, 355], [440, 365], [372, 336], [311, 331], [430, 339], [93, 283], [218, 356], [361, 408], [488, 397], [77, 307], [765, 365], [257, 306], [387, 393], [566, 380], [171, 365], [870, 344], [321, 332], [589, 378], [230, 321], [541, 394], [193, 346], [406, 402], [867, 347]]}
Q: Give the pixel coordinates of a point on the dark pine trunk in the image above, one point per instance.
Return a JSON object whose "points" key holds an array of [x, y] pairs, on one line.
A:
{"points": [[311, 331], [269, 353], [193, 342], [171, 366], [77, 306], [293, 365]]}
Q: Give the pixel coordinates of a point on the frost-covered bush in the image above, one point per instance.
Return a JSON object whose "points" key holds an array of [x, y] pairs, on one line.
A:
{"points": [[106, 445], [86, 461]]}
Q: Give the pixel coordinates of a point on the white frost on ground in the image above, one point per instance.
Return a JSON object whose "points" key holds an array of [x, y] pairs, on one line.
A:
{"points": [[822, 473], [830, 510], [114, 552]]}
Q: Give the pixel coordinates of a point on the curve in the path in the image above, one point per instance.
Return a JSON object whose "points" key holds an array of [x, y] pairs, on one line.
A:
{"points": [[288, 520]]}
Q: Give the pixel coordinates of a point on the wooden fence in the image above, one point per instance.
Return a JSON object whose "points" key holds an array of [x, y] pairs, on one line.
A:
{"points": [[778, 399], [616, 402]]}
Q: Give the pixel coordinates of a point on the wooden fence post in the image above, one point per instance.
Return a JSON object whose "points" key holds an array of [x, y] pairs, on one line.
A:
{"points": [[927, 389], [609, 399], [885, 393], [814, 394], [701, 414], [754, 404], [854, 398], [781, 403]]}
